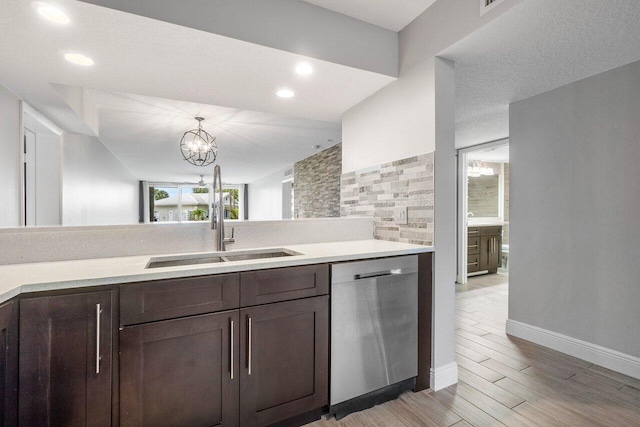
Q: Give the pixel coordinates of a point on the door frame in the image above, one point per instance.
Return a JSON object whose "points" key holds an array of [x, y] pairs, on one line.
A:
{"points": [[27, 109], [462, 202]]}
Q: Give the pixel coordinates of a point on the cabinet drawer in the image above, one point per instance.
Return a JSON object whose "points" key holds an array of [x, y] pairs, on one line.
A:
{"points": [[473, 232], [491, 231], [473, 262], [283, 284], [167, 299], [473, 245]]}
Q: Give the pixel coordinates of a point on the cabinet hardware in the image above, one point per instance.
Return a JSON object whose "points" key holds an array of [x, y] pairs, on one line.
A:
{"points": [[98, 311], [249, 347], [472, 246], [231, 348], [473, 263], [473, 232]]}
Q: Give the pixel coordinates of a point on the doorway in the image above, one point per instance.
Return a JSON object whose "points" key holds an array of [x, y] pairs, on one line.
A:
{"points": [[483, 215], [41, 169]]}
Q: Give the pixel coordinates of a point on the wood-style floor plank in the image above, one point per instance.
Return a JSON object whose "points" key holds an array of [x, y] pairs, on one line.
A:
{"points": [[505, 380]]}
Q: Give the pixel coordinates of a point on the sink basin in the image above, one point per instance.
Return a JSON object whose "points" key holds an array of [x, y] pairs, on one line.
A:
{"points": [[249, 256], [216, 257], [162, 262]]}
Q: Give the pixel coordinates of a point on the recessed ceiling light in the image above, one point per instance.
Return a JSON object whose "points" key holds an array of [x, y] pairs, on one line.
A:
{"points": [[304, 68], [78, 59], [51, 13], [285, 93]]}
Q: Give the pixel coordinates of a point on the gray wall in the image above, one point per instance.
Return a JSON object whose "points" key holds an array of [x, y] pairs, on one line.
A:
{"points": [[9, 158], [97, 189], [317, 184], [575, 203], [265, 197]]}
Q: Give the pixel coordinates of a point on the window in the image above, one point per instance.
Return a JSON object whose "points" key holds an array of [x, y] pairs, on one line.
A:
{"points": [[191, 203]]}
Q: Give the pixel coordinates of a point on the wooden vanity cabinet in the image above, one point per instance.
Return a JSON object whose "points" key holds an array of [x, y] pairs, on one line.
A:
{"points": [[484, 249], [284, 355], [8, 364], [66, 360]]}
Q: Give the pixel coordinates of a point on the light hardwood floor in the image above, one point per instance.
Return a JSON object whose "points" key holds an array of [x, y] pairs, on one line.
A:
{"points": [[507, 381]]}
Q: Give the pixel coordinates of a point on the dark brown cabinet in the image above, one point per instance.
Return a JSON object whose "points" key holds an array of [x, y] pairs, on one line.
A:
{"points": [[168, 299], [285, 354], [181, 372], [252, 366], [8, 364], [283, 284], [65, 360], [484, 249]]}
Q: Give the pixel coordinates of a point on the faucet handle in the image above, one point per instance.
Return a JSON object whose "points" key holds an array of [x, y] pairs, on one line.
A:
{"points": [[231, 239]]}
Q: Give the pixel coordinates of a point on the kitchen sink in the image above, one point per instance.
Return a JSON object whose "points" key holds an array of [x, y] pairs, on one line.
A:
{"points": [[212, 258], [261, 255]]}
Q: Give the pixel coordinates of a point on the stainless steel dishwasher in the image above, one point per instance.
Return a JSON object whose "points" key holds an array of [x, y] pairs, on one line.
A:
{"points": [[374, 332]]}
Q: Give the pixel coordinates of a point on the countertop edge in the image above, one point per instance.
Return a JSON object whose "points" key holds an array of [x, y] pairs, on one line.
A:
{"points": [[231, 267]]}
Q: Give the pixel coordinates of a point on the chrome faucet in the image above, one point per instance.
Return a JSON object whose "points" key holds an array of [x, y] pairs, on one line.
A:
{"points": [[217, 219]]}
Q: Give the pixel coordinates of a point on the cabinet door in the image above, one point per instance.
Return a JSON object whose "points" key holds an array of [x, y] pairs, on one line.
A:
{"points": [[485, 256], [283, 284], [65, 360], [181, 372], [284, 353], [8, 364]]}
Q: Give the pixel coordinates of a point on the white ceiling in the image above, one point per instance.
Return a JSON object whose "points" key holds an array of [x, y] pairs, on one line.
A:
{"points": [[535, 47], [144, 133], [390, 14], [493, 155], [231, 80]]}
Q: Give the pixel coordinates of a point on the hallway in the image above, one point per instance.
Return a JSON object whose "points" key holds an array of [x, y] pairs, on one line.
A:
{"points": [[507, 381]]}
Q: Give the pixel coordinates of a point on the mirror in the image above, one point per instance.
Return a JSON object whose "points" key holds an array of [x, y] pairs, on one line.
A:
{"points": [[95, 144], [484, 196]]}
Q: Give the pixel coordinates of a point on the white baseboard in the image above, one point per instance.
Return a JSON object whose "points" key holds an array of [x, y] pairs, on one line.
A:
{"points": [[444, 376], [610, 359]]}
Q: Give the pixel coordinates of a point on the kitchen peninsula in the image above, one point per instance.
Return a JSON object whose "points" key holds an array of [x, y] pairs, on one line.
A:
{"points": [[233, 343]]}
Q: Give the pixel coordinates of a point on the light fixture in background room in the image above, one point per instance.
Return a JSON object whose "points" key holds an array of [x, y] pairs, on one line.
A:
{"points": [[285, 93], [198, 147], [304, 69], [477, 168], [51, 13], [78, 59]]}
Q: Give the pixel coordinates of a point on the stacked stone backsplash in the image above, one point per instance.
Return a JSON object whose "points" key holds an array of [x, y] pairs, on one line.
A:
{"points": [[379, 190], [316, 182]]}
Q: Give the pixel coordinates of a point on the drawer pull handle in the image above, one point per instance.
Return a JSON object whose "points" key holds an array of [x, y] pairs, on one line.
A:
{"points": [[98, 311], [249, 346], [472, 263], [473, 232], [231, 348], [472, 246]]}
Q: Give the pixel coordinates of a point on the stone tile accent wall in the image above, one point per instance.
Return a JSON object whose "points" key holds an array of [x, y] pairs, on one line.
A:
{"points": [[378, 191], [483, 196], [316, 183]]}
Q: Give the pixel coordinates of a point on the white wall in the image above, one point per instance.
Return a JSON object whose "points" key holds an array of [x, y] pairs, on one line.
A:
{"points": [[395, 123], [48, 177], [9, 158], [265, 197], [415, 115], [97, 188], [575, 203]]}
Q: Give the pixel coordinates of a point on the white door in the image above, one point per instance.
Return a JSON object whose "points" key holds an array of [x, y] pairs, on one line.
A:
{"points": [[42, 178]]}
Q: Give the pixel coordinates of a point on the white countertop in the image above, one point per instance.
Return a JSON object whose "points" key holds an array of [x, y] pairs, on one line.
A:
{"points": [[46, 276]]}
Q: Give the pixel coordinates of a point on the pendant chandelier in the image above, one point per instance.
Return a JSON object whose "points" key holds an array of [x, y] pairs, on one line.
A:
{"points": [[477, 168], [198, 147]]}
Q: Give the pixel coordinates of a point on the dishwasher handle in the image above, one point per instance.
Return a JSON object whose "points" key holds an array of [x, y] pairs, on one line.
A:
{"points": [[379, 274]]}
